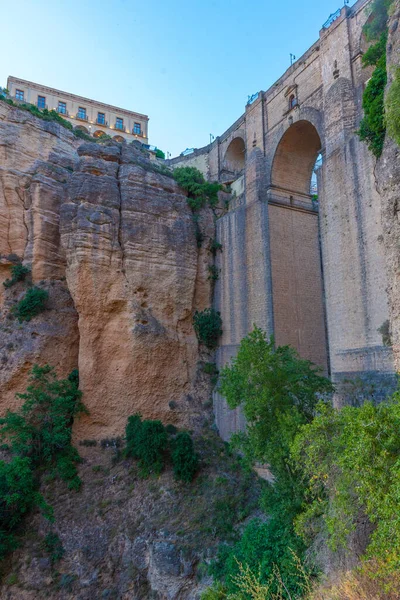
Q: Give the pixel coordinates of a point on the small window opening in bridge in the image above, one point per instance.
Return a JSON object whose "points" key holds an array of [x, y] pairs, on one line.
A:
{"points": [[292, 101], [314, 178]]}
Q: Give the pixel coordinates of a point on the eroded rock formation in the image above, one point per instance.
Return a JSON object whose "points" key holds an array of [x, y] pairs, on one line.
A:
{"points": [[113, 241]]}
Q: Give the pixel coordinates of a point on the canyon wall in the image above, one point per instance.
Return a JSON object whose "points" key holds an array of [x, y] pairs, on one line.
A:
{"points": [[387, 175], [113, 242]]}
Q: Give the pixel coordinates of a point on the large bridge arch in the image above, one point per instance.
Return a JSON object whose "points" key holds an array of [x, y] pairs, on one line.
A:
{"points": [[294, 160]]}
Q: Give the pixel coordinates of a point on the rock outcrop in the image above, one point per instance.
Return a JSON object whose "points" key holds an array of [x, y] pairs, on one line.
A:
{"points": [[388, 182], [114, 236]]}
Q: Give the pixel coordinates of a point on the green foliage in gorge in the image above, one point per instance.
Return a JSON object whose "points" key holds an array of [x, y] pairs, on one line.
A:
{"points": [[373, 126], [41, 429], [38, 438], [278, 393], [18, 273], [200, 192], [208, 327], [184, 459], [32, 304], [351, 459], [392, 107], [18, 495], [146, 441], [377, 23]]}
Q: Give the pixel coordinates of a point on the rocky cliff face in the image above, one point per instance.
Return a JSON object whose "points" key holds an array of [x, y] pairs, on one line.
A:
{"points": [[388, 183], [113, 242]]}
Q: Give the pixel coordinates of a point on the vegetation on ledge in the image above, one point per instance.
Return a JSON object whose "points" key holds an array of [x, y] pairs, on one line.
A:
{"points": [[200, 192], [38, 439], [373, 125], [331, 469]]}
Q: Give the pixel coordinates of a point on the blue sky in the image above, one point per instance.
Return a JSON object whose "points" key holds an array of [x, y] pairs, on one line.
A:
{"points": [[189, 64]]}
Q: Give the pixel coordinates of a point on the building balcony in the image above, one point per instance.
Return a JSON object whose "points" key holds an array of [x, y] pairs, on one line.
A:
{"points": [[63, 112], [81, 117], [120, 127], [42, 106], [101, 123]]}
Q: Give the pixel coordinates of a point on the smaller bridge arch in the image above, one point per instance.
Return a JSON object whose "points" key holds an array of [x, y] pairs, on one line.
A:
{"points": [[235, 155]]}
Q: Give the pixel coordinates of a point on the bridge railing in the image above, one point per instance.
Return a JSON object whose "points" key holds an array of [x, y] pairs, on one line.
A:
{"points": [[332, 18]]}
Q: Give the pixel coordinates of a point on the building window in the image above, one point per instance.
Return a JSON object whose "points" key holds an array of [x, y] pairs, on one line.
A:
{"points": [[81, 113], [41, 101], [292, 101], [19, 94], [101, 118], [137, 129], [62, 107], [119, 123]]}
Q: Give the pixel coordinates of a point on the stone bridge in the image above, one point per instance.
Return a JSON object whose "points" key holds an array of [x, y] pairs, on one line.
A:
{"points": [[303, 254]]}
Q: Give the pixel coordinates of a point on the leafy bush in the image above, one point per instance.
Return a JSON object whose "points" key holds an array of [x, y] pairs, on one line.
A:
{"points": [[146, 441], [53, 546], [214, 247], [160, 153], [33, 303], [197, 230], [200, 192], [208, 327], [184, 459], [133, 430], [38, 437], [278, 393], [211, 369], [392, 106], [18, 495], [18, 273], [213, 273], [41, 429], [351, 458], [373, 127], [378, 19]]}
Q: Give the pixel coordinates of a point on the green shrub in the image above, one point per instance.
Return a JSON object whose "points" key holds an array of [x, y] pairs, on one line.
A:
{"points": [[214, 247], [18, 495], [53, 546], [133, 430], [378, 19], [33, 303], [41, 429], [197, 230], [263, 547], [211, 369], [213, 273], [83, 136], [208, 327], [147, 441], [18, 273], [200, 192], [392, 106], [278, 393], [184, 459], [373, 126], [160, 154], [351, 458]]}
